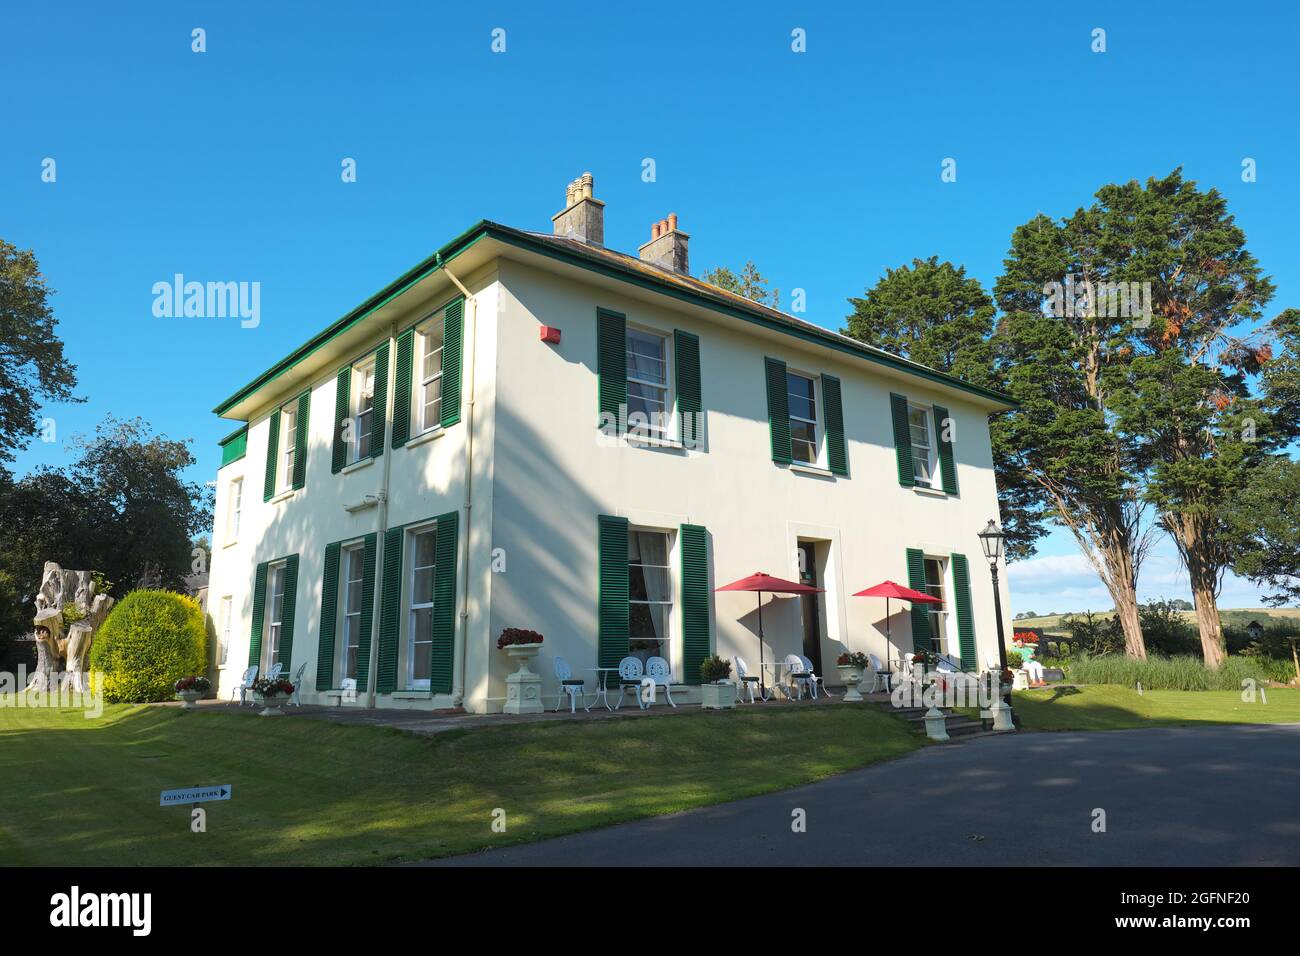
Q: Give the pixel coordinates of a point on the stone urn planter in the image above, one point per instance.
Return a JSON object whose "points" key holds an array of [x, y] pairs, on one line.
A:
{"points": [[190, 690], [851, 674], [523, 687], [719, 696], [189, 699], [270, 704]]}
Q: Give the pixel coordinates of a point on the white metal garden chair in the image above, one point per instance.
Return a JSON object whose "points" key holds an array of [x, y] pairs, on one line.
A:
{"points": [[813, 680], [244, 686], [657, 669], [296, 698], [574, 687], [878, 673], [798, 675], [747, 680], [276, 670], [629, 675]]}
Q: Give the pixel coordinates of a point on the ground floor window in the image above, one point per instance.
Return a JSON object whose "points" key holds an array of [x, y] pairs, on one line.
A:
{"points": [[274, 614], [934, 576], [650, 594], [419, 634], [223, 639], [352, 574]]}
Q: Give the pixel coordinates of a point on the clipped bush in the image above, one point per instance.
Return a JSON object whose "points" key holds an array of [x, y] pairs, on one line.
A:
{"points": [[1173, 673], [150, 641]]}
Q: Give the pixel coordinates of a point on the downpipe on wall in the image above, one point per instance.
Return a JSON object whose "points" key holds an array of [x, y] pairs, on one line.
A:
{"points": [[458, 655]]}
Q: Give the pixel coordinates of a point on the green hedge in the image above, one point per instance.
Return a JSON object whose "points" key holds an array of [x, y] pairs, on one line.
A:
{"points": [[150, 640], [1174, 673]]}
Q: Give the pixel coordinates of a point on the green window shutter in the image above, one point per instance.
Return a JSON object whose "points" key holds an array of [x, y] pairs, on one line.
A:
{"points": [[342, 408], [390, 613], [329, 606], [947, 466], [612, 606], [696, 643], [259, 613], [300, 441], [965, 619], [920, 616], [444, 602], [380, 414], [611, 367], [690, 430], [778, 409], [402, 388], [234, 447], [452, 348], [272, 453], [837, 453], [902, 440], [368, 561], [288, 612]]}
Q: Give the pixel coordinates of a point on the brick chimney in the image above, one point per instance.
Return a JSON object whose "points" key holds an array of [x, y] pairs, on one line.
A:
{"points": [[583, 215], [667, 246]]}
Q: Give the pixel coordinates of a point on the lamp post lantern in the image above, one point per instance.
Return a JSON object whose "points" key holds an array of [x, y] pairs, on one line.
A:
{"points": [[991, 540]]}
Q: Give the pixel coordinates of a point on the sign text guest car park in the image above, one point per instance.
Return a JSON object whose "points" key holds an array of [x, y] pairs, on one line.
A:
{"points": [[172, 798]]}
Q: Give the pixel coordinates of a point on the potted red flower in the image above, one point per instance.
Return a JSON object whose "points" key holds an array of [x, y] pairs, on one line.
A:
{"points": [[269, 692], [852, 665], [523, 687], [191, 689]]}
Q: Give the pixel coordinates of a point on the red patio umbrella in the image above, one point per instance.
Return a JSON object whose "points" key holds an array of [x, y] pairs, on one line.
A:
{"points": [[888, 590], [760, 582]]}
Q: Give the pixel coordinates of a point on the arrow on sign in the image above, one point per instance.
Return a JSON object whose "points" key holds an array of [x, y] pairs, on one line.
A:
{"points": [[171, 798]]}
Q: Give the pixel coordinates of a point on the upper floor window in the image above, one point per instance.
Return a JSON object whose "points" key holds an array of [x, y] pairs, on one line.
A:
{"points": [[648, 407], [288, 445], [363, 408], [805, 442], [920, 421], [234, 509], [428, 375]]}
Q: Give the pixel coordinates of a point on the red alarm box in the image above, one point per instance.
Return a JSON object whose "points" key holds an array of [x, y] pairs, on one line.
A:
{"points": [[550, 335]]}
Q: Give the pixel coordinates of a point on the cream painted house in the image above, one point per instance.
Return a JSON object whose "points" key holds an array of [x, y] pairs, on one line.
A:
{"points": [[531, 430]]}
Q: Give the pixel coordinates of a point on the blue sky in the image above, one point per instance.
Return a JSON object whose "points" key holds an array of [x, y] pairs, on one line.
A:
{"points": [[823, 167]]}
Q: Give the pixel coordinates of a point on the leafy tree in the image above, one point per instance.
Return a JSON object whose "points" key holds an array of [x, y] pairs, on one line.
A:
{"points": [[931, 313], [1058, 456], [1183, 403], [750, 283], [122, 508], [1261, 529], [32, 367]]}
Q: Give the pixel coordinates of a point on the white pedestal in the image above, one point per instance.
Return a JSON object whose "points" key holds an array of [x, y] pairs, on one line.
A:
{"points": [[852, 676], [936, 725], [523, 687]]}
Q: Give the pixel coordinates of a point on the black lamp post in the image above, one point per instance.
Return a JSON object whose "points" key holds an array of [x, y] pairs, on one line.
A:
{"points": [[991, 539]]}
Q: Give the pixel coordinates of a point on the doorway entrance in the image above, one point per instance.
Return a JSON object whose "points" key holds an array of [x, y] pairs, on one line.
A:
{"points": [[810, 605]]}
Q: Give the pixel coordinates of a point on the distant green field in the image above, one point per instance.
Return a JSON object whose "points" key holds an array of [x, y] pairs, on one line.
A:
{"points": [[1051, 624]]}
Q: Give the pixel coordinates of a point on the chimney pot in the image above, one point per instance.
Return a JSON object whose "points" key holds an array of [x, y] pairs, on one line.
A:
{"points": [[667, 246], [672, 220], [583, 215]]}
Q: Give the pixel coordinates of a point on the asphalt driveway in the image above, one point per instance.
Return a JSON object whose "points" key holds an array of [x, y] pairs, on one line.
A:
{"points": [[1212, 796]]}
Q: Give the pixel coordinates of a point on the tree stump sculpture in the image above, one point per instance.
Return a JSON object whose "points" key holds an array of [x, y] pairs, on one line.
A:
{"points": [[66, 596]]}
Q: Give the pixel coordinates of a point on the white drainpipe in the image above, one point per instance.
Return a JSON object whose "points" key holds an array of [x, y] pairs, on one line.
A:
{"points": [[458, 678], [387, 455]]}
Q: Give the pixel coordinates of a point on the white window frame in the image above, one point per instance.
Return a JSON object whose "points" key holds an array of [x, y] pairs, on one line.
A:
{"points": [[356, 409], [666, 426], [668, 645], [273, 627], [423, 332], [234, 508], [351, 553], [227, 624], [411, 682], [288, 446], [819, 430], [938, 611], [930, 449]]}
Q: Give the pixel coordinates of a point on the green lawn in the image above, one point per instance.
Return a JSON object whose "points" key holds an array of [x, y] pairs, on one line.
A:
{"points": [[1108, 707], [85, 792]]}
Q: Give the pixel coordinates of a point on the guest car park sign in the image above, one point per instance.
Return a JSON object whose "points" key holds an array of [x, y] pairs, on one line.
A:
{"points": [[172, 798]]}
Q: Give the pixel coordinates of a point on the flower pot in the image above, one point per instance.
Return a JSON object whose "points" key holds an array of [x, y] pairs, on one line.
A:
{"points": [[852, 676], [719, 696], [523, 687], [188, 698], [270, 704]]}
